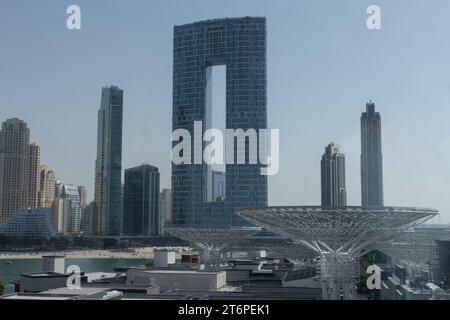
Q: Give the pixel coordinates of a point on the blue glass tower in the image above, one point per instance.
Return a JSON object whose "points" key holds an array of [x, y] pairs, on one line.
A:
{"points": [[108, 166], [142, 216], [240, 45]]}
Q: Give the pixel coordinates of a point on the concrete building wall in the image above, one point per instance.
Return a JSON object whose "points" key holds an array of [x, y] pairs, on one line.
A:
{"points": [[163, 258], [37, 284], [182, 280], [53, 264]]}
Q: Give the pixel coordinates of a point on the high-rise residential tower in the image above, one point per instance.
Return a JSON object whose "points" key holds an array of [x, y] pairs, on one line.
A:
{"points": [[82, 193], [108, 166], [34, 163], [46, 192], [67, 211], [165, 205], [240, 45], [86, 219], [60, 214], [73, 213], [58, 188], [142, 217], [14, 158], [371, 158], [332, 167]]}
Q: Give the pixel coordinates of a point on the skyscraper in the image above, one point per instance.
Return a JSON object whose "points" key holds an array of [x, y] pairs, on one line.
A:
{"points": [[58, 188], [121, 204], [165, 205], [108, 166], [240, 45], [142, 216], [86, 219], [82, 193], [59, 209], [332, 166], [67, 210], [73, 215], [46, 192], [14, 158], [371, 158], [34, 163]]}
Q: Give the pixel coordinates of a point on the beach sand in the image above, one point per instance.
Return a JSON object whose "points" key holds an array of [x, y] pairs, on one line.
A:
{"points": [[136, 253]]}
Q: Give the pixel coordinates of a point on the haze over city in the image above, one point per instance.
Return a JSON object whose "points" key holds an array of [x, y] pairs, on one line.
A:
{"points": [[323, 66]]}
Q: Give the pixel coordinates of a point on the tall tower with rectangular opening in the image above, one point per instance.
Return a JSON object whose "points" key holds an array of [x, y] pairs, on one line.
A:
{"points": [[240, 45]]}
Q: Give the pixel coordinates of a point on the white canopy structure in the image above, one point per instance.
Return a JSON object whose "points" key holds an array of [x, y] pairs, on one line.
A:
{"points": [[339, 235], [299, 255], [211, 240], [416, 246], [407, 253]]}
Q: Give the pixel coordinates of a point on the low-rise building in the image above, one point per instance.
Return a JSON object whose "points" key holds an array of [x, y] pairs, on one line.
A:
{"points": [[34, 223], [163, 258], [183, 280]]}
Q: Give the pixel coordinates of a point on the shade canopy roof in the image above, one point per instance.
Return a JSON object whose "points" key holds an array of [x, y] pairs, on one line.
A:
{"points": [[212, 238], [342, 229]]}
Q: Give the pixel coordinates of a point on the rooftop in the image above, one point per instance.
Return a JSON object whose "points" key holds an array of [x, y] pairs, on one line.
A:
{"points": [[177, 271], [44, 275]]}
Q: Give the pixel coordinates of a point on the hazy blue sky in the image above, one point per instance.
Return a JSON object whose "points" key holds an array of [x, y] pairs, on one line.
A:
{"points": [[323, 65]]}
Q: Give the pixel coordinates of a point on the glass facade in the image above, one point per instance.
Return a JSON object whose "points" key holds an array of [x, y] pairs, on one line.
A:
{"points": [[371, 158], [240, 45], [108, 166], [332, 165], [142, 216], [73, 219]]}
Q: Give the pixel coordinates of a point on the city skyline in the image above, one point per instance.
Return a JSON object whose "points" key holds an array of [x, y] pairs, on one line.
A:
{"points": [[403, 185], [202, 150]]}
